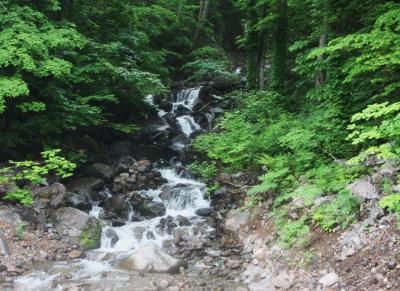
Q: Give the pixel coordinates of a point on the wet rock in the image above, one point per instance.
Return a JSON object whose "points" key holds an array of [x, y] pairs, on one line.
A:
{"points": [[81, 202], [9, 216], [152, 209], [329, 279], [183, 110], [167, 225], [151, 258], [138, 232], [124, 164], [364, 189], [204, 212], [112, 235], [99, 170], [117, 206], [150, 235], [144, 166], [3, 268], [183, 221], [85, 186], [165, 195], [77, 227]]}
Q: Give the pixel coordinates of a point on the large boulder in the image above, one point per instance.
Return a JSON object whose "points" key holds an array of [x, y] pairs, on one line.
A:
{"points": [[81, 202], [151, 258], [53, 194], [152, 209], [235, 220], [117, 206], [77, 227], [364, 189], [85, 186], [99, 170], [120, 149]]}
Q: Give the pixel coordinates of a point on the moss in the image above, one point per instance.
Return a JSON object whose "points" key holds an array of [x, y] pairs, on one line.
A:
{"points": [[90, 237]]}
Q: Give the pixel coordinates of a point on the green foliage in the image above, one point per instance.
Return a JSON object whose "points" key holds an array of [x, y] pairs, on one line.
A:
{"points": [[19, 195], [20, 230], [391, 202], [34, 172], [210, 64], [205, 170], [341, 212], [292, 232], [377, 126], [211, 189]]}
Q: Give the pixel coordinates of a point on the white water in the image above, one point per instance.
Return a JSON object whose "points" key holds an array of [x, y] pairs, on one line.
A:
{"points": [[188, 97], [187, 124], [188, 197]]}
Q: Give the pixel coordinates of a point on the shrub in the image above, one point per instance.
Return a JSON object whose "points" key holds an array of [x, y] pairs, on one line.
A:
{"points": [[341, 212], [391, 203], [34, 172], [204, 169]]}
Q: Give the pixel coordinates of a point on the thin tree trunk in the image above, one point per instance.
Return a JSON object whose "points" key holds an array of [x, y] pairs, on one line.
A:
{"points": [[280, 49], [203, 11], [321, 75]]}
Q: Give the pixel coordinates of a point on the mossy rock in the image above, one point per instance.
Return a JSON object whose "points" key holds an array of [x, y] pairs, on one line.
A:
{"points": [[77, 227]]}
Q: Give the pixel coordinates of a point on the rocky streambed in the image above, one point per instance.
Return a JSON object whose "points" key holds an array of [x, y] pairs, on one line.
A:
{"points": [[130, 222]]}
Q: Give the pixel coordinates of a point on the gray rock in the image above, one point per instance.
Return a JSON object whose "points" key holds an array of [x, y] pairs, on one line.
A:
{"points": [[85, 186], [204, 212], [282, 281], [4, 250], [77, 227], [81, 202], [138, 232], [112, 235], [117, 206], [329, 279], [151, 258], [364, 189], [235, 219], [396, 188], [55, 193], [120, 149], [152, 209], [100, 170], [9, 216]]}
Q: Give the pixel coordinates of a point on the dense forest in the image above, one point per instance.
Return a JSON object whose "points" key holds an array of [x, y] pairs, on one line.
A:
{"points": [[309, 88]]}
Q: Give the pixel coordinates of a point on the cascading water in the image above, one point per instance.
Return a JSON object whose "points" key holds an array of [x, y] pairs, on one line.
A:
{"points": [[186, 196]]}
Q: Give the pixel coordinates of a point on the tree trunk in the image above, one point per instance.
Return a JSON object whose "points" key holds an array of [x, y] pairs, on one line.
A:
{"points": [[203, 11], [320, 77], [280, 49]]}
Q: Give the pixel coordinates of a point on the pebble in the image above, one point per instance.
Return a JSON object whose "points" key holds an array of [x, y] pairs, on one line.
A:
{"points": [[75, 254], [163, 284], [391, 264], [3, 268], [173, 288], [329, 279]]}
